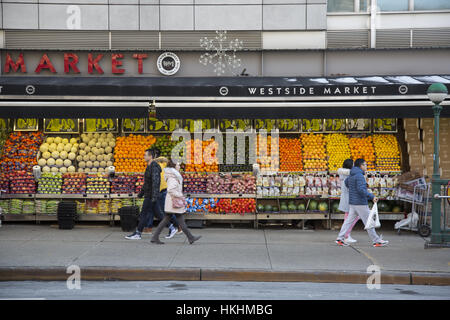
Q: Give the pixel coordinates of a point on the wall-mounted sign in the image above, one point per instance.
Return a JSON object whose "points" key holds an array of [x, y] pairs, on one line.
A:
{"points": [[29, 124], [189, 124], [4, 124], [235, 124], [61, 126], [101, 125], [134, 125], [385, 125], [335, 125], [312, 125], [267, 124], [164, 125], [168, 63], [288, 125], [358, 125]]}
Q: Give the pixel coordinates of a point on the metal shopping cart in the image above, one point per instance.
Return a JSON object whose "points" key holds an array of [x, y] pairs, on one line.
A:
{"points": [[419, 220]]}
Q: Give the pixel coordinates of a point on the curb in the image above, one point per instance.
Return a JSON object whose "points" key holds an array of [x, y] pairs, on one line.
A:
{"points": [[197, 274]]}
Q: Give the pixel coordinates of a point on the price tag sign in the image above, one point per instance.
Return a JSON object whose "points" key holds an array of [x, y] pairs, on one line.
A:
{"points": [[61, 126], [312, 125], [134, 125], [358, 125], [4, 124], [267, 124], [288, 125], [332, 125], [29, 124], [101, 125], [385, 125], [189, 124], [236, 124], [165, 125]]}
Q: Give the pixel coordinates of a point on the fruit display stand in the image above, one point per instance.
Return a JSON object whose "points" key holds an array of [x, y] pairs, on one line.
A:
{"points": [[16, 217]]}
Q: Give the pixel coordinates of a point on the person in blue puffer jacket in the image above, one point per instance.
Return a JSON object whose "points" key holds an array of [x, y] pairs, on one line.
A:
{"points": [[359, 206]]}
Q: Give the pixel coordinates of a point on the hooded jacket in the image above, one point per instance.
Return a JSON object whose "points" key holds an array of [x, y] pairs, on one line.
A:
{"points": [[357, 186], [152, 180], [343, 203], [174, 189]]}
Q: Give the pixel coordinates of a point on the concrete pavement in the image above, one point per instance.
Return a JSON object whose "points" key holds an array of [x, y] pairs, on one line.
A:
{"points": [[222, 254]]}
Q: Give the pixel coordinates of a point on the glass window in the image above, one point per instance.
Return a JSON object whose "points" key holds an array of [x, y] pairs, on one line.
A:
{"points": [[341, 6], [363, 5], [393, 5], [431, 4]]}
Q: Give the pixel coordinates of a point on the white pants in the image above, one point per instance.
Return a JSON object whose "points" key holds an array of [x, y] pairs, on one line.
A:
{"points": [[363, 213]]}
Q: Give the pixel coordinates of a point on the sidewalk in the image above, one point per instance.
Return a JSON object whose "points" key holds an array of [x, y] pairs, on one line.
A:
{"points": [[221, 254]]}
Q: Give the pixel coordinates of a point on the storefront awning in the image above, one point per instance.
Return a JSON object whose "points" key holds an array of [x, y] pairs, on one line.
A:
{"points": [[222, 97]]}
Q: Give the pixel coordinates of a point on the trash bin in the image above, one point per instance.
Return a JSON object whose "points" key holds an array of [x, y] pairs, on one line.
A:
{"points": [[129, 217]]}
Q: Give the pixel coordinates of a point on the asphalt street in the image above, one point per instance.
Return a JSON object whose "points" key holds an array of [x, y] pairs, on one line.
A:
{"points": [[206, 290]]}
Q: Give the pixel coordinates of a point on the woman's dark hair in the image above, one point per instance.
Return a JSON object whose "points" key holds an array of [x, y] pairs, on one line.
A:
{"points": [[359, 162], [154, 152], [171, 164], [348, 164]]}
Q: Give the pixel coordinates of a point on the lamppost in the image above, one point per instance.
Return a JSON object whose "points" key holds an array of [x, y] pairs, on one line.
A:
{"points": [[437, 92]]}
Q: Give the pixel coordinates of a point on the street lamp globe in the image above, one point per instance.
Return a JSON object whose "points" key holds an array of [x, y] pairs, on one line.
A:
{"points": [[437, 92]]}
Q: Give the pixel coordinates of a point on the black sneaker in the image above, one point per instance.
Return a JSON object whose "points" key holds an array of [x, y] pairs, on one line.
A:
{"points": [[135, 236]]}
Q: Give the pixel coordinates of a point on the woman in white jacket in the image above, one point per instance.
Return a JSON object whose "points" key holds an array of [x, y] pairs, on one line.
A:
{"points": [[344, 205], [174, 196]]}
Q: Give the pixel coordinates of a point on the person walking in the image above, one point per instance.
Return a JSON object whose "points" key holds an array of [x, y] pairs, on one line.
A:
{"points": [[174, 228], [150, 192], [344, 205], [358, 204], [175, 203]]}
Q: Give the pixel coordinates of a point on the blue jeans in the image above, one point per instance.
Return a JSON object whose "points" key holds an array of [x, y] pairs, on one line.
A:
{"points": [[161, 203], [149, 209]]}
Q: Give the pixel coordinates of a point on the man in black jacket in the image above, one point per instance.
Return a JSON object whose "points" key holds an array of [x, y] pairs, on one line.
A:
{"points": [[150, 192]]}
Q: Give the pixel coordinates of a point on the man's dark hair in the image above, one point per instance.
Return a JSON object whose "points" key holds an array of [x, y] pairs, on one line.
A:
{"points": [[348, 164], [154, 152], [359, 162]]}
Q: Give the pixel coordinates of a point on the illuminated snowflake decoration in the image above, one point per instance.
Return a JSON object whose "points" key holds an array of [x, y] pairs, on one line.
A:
{"points": [[224, 54]]}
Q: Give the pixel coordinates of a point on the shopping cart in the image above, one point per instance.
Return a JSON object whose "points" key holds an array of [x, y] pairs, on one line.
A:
{"points": [[419, 220]]}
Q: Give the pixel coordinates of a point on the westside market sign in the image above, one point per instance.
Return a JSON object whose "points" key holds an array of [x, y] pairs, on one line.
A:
{"points": [[311, 91]]}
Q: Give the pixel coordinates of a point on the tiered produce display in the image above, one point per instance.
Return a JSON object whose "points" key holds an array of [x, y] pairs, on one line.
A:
{"points": [[202, 156], [387, 152], [129, 152], [20, 151], [267, 153], [50, 183], [21, 182], [291, 154], [363, 148], [58, 154], [338, 150], [74, 183], [97, 184], [314, 152], [123, 184], [96, 152]]}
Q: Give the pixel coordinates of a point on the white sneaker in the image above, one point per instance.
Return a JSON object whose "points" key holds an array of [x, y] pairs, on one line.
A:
{"points": [[350, 239], [381, 243], [173, 231], [134, 236]]}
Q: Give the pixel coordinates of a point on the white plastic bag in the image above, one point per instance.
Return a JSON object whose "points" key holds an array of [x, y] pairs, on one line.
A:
{"points": [[373, 221]]}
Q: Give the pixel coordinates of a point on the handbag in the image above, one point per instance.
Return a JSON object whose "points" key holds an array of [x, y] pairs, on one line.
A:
{"points": [[373, 221], [179, 202]]}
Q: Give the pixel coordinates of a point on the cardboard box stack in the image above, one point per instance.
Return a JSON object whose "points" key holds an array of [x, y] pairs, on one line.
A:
{"points": [[414, 144], [427, 128]]}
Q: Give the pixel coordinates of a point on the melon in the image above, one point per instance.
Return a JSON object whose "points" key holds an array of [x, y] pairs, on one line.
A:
{"points": [[323, 206], [46, 155], [96, 135], [101, 170], [72, 156], [73, 150], [98, 145], [108, 149], [103, 135], [104, 144], [112, 144], [90, 136], [75, 145], [100, 157], [73, 141], [83, 145], [67, 163], [63, 169], [101, 151], [65, 141], [54, 169], [86, 140], [50, 140], [95, 151], [86, 158], [59, 162], [103, 164], [57, 140], [109, 163], [52, 147], [79, 158], [89, 164], [63, 155], [42, 162], [71, 169], [313, 205], [94, 170], [96, 164], [92, 157], [60, 147], [91, 143], [80, 170], [46, 169], [82, 164], [44, 147], [55, 154], [110, 135], [87, 149], [51, 162], [82, 153], [67, 147]]}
